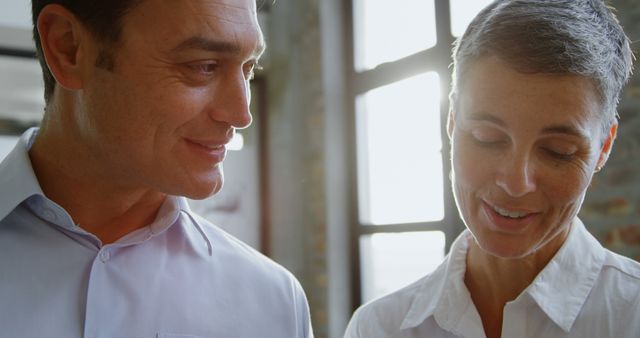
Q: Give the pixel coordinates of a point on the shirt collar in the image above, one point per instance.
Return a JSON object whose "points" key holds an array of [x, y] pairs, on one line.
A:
{"points": [[169, 213], [17, 176], [196, 221], [562, 287], [445, 285]]}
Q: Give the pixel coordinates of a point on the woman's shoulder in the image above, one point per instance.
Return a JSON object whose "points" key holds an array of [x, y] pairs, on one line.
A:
{"points": [[624, 266], [384, 316]]}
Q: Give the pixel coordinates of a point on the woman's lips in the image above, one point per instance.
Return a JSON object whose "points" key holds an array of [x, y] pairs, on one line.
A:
{"points": [[508, 220]]}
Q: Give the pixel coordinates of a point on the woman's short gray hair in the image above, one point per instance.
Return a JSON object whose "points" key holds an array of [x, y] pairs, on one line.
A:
{"points": [[579, 37]]}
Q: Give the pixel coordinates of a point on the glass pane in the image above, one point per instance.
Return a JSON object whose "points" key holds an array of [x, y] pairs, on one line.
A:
{"points": [[392, 261], [386, 31], [462, 12], [399, 150]]}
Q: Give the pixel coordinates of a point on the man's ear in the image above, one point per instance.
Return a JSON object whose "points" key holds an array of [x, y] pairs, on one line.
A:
{"points": [[451, 123], [61, 36], [607, 145]]}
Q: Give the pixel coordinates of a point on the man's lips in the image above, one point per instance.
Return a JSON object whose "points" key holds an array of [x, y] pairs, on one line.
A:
{"points": [[214, 150]]}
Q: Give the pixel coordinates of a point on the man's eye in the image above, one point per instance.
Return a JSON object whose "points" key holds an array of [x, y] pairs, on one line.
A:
{"points": [[250, 69], [203, 68]]}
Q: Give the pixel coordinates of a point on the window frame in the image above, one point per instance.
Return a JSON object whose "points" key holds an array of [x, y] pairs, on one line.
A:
{"points": [[436, 59]]}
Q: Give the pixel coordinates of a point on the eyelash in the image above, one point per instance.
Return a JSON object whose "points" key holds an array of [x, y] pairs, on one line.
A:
{"points": [[250, 75], [199, 67], [211, 67], [560, 156]]}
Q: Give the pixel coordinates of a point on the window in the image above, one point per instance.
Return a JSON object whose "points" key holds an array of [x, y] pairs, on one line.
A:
{"points": [[21, 88], [406, 217], [394, 122]]}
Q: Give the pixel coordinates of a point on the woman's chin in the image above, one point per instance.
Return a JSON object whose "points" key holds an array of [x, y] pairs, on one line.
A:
{"points": [[504, 248]]}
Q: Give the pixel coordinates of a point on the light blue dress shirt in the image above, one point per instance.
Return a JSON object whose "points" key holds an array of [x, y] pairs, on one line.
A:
{"points": [[178, 277]]}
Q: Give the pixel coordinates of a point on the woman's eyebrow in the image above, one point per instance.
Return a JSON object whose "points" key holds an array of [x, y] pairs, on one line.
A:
{"points": [[565, 129], [483, 116]]}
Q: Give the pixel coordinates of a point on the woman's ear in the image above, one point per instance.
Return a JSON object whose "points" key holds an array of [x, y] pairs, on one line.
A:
{"points": [[607, 145], [61, 39]]}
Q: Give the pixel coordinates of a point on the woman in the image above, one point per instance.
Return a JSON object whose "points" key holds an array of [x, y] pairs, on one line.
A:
{"points": [[533, 117]]}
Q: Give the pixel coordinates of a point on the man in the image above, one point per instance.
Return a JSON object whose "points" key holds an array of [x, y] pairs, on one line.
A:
{"points": [[141, 98]]}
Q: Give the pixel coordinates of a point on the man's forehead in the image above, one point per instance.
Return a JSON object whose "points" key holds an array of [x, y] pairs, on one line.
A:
{"points": [[233, 11], [213, 45], [217, 25]]}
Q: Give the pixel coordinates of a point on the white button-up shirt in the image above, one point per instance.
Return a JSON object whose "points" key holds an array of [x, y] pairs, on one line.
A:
{"points": [[178, 277], [585, 291]]}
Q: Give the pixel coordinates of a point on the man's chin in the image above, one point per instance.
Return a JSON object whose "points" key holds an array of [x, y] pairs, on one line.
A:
{"points": [[204, 190], [200, 187]]}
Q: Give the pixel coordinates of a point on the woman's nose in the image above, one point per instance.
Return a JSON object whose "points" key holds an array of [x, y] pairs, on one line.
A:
{"points": [[516, 175]]}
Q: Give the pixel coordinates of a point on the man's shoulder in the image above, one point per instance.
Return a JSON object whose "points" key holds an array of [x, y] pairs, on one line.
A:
{"points": [[241, 257]]}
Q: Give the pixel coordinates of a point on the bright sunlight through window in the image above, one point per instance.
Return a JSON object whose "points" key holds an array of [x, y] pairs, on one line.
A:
{"points": [[391, 261], [400, 160], [386, 31], [462, 12]]}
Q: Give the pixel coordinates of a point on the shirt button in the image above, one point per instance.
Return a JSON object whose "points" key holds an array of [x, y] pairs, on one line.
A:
{"points": [[104, 255]]}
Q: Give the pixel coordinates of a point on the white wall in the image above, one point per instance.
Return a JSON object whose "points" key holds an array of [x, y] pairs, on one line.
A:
{"points": [[15, 24], [6, 145], [16, 13]]}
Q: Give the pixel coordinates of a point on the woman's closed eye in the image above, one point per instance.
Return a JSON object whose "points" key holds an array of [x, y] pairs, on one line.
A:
{"points": [[561, 151], [488, 136]]}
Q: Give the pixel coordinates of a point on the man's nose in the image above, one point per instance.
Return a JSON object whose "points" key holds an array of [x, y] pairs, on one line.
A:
{"points": [[516, 175], [230, 103]]}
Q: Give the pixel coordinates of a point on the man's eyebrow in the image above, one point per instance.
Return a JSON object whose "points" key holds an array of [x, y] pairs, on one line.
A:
{"points": [[198, 42], [201, 43]]}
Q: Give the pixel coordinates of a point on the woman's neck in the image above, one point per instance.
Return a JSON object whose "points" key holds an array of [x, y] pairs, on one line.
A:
{"points": [[494, 281]]}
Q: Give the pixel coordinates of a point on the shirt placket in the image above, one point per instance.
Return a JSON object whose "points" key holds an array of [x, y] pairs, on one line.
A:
{"points": [[514, 321]]}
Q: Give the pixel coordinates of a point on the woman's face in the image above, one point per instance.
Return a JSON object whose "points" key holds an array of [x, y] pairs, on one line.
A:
{"points": [[524, 150]]}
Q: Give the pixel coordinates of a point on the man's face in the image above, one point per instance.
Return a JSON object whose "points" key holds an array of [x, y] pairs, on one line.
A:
{"points": [[180, 87], [524, 148]]}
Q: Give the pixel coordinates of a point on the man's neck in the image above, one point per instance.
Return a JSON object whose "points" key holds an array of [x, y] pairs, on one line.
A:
{"points": [[95, 202]]}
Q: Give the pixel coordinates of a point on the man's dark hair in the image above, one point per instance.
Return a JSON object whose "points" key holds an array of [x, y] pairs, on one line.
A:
{"points": [[102, 18]]}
